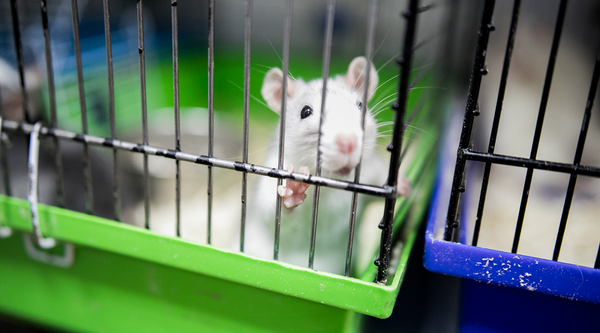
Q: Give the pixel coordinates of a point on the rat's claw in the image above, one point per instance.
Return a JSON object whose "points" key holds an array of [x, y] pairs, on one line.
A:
{"points": [[281, 189], [403, 186], [304, 170], [293, 192]]}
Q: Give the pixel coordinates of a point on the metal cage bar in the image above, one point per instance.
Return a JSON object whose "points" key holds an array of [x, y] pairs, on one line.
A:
{"points": [[111, 110], [326, 60], [372, 17], [287, 31], [202, 159], [540, 121], [20, 61], [247, 54], [211, 111], [581, 170], [577, 159], [470, 110], [175, 41], [395, 147], [60, 190], [142, 61], [497, 114], [4, 160], [87, 167]]}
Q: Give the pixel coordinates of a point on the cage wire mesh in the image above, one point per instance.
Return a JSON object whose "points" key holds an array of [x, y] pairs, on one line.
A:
{"points": [[123, 93], [575, 169], [524, 189]]}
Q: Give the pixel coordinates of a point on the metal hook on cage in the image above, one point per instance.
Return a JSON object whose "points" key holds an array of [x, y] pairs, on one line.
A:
{"points": [[68, 256], [32, 195]]}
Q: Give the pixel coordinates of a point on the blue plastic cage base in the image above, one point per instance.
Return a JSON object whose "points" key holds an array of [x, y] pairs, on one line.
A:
{"points": [[497, 267], [491, 308]]}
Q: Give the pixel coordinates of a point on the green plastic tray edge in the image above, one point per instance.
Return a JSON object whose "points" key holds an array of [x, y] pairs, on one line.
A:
{"points": [[346, 293]]}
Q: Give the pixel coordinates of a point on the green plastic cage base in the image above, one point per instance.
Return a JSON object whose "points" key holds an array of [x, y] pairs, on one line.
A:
{"points": [[125, 278], [129, 279]]}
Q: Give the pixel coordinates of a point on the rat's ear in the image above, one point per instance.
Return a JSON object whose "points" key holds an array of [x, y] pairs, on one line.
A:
{"points": [[271, 88], [355, 77]]}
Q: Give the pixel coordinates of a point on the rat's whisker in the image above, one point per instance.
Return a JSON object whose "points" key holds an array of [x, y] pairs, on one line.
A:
{"points": [[407, 126], [393, 77], [428, 87], [383, 100], [424, 66], [277, 54], [253, 97], [258, 70], [387, 62], [384, 123], [273, 47], [265, 66], [382, 42]]}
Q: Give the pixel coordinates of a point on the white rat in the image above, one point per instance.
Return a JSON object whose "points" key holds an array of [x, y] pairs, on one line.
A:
{"points": [[341, 148]]}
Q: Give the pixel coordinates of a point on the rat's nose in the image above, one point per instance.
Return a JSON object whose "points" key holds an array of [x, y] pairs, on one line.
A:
{"points": [[346, 142]]}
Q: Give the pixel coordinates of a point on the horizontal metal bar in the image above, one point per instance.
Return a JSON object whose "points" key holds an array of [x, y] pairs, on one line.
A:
{"points": [[384, 191], [530, 163]]}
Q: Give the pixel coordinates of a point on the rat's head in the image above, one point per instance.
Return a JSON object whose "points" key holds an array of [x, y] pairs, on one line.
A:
{"points": [[342, 135]]}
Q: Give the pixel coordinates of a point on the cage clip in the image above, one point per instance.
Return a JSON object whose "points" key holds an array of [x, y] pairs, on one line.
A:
{"points": [[64, 260], [32, 196]]}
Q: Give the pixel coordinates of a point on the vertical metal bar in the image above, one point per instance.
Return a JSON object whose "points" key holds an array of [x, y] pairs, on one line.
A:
{"points": [[326, 61], [497, 114], [387, 223], [174, 31], [465, 137], [89, 200], [211, 110], [142, 59], [3, 157], [577, 159], [287, 31], [372, 19], [597, 263], [60, 190], [111, 111], [448, 47], [20, 61], [540, 121], [4, 231], [247, 50]]}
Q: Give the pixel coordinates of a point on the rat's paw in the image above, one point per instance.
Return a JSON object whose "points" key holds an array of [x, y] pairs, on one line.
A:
{"points": [[403, 186], [293, 193]]}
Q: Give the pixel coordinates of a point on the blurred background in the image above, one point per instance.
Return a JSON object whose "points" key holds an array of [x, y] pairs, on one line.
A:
{"points": [[578, 48]]}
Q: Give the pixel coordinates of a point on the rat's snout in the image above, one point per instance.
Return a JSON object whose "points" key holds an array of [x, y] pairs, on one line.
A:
{"points": [[346, 142]]}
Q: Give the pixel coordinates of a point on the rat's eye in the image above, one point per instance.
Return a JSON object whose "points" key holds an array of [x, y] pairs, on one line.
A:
{"points": [[359, 104], [306, 111]]}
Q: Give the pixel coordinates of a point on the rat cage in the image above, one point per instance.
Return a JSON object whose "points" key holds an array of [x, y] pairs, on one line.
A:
{"points": [[117, 135], [518, 217]]}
